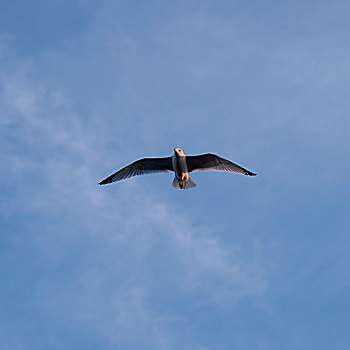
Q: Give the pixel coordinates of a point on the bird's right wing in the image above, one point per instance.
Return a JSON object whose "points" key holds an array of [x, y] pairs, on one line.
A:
{"points": [[212, 162], [141, 167]]}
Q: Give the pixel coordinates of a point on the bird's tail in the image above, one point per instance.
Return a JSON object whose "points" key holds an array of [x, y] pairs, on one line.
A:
{"points": [[183, 185]]}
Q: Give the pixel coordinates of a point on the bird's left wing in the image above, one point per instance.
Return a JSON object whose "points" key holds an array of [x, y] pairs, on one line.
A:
{"points": [[141, 167], [212, 162]]}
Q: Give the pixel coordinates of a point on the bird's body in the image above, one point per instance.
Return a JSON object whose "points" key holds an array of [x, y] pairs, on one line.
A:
{"points": [[181, 165], [180, 169]]}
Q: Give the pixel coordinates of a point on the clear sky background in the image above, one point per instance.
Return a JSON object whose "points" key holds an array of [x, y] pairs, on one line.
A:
{"points": [[87, 87]]}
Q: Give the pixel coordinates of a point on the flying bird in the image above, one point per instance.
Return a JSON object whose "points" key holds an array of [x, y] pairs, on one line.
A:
{"points": [[180, 164]]}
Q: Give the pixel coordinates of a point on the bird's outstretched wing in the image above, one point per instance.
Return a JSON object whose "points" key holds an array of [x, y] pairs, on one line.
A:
{"points": [[212, 162], [141, 167]]}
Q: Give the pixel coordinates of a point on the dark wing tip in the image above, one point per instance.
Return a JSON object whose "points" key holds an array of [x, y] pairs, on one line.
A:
{"points": [[249, 173], [103, 182]]}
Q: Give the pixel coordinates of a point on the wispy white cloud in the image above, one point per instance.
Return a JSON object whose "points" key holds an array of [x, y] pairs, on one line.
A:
{"points": [[133, 265], [145, 247]]}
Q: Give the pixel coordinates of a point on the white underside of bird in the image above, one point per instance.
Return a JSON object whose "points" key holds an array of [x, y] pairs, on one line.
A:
{"points": [[181, 165]]}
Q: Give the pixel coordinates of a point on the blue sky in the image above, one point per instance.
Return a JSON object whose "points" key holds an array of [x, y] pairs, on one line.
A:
{"points": [[87, 87]]}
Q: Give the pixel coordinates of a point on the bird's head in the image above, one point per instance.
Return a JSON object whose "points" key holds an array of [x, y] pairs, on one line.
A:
{"points": [[179, 152]]}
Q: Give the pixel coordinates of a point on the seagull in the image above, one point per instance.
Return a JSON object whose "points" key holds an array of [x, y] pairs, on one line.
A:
{"points": [[181, 165]]}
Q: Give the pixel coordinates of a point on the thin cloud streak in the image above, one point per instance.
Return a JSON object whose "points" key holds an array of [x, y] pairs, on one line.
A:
{"points": [[135, 232], [235, 263]]}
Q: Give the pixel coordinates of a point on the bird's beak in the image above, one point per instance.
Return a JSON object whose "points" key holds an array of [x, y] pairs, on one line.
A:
{"points": [[174, 149]]}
